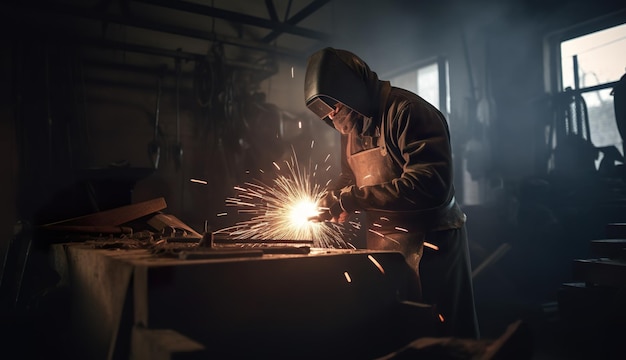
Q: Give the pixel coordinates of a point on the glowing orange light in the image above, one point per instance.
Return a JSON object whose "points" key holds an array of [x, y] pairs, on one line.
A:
{"points": [[441, 318], [283, 210], [376, 232], [376, 263], [302, 211], [348, 278], [432, 246]]}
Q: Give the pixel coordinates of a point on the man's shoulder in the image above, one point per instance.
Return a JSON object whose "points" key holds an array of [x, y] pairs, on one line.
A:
{"points": [[401, 99]]}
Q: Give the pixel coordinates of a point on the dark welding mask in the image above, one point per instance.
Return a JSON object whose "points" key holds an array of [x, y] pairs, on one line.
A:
{"points": [[334, 76]]}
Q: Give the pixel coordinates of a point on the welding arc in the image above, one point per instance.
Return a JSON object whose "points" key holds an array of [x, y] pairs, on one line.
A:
{"points": [[282, 210]]}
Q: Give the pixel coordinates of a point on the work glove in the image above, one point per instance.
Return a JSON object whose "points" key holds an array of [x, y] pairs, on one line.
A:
{"points": [[330, 207]]}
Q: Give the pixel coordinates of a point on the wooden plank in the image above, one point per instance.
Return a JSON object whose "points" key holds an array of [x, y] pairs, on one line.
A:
{"points": [[162, 221], [102, 229], [117, 216], [616, 230], [605, 272], [609, 248]]}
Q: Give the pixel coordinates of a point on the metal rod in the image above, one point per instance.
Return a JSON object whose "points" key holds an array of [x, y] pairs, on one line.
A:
{"points": [[491, 259], [139, 22], [238, 17], [577, 103], [116, 45], [301, 15]]}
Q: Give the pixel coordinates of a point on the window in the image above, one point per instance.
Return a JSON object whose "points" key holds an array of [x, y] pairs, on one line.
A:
{"points": [[588, 63], [599, 60], [429, 80]]}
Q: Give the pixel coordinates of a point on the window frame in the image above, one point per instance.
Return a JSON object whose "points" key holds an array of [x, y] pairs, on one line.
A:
{"points": [[553, 73], [443, 81]]}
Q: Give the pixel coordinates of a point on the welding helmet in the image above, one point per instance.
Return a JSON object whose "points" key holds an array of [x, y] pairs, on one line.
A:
{"points": [[333, 76]]}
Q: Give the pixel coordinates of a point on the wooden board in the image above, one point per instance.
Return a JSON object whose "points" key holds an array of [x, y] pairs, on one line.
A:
{"points": [[161, 221], [117, 216], [616, 230]]}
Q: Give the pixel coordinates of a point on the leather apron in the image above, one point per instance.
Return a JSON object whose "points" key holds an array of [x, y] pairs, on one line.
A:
{"points": [[371, 167], [446, 282]]}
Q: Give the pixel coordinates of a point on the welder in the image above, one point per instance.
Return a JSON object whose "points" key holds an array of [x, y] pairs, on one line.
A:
{"points": [[397, 170]]}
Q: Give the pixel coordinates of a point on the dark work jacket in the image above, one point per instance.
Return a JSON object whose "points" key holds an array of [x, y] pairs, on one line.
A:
{"points": [[416, 192]]}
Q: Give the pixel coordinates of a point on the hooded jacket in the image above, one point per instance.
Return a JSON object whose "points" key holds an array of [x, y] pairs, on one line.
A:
{"points": [[411, 131]]}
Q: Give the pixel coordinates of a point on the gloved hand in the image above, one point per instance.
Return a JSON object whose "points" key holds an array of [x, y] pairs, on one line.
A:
{"points": [[331, 208]]}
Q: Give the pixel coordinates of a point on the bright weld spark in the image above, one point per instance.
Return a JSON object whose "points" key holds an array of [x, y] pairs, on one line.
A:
{"points": [[299, 124], [432, 246], [347, 276], [283, 211], [275, 164], [377, 225], [254, 185], [384, 218], [222, 214], [377, 264], [312, 143], [401, 229], [326, 159], [292, 72], [328, 168], [383, 236], [198, 181]]}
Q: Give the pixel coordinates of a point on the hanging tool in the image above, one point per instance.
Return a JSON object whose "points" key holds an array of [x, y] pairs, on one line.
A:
{"points": [[154, 148], [178, 148]]}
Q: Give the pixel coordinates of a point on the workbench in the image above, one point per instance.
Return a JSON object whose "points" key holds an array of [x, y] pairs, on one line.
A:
{"points": [[128, 302]]}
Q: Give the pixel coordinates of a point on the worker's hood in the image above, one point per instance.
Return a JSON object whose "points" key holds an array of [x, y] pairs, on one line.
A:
{"points": [[333, 76]]}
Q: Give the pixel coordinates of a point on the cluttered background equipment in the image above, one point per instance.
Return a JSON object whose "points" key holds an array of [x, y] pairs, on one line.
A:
{"points": [[156, 154]]}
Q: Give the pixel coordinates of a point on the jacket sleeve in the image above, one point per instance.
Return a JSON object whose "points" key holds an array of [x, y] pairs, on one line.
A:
{"points": [[417, 138]]}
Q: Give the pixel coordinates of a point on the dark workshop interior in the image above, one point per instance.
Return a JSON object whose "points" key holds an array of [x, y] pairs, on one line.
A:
{"points": [[129, 126]]}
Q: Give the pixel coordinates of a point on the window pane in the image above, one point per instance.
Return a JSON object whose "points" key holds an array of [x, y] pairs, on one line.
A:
{"points": [[602, 126], [600, 57], [406, 81], [423, 81], [428, 84], [600, 61]]}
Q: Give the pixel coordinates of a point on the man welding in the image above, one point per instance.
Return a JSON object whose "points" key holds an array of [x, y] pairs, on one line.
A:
{"points": [[396, 169]]}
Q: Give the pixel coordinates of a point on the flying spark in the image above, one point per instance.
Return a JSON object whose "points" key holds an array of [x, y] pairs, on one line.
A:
{"points": [[285, 210]]}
